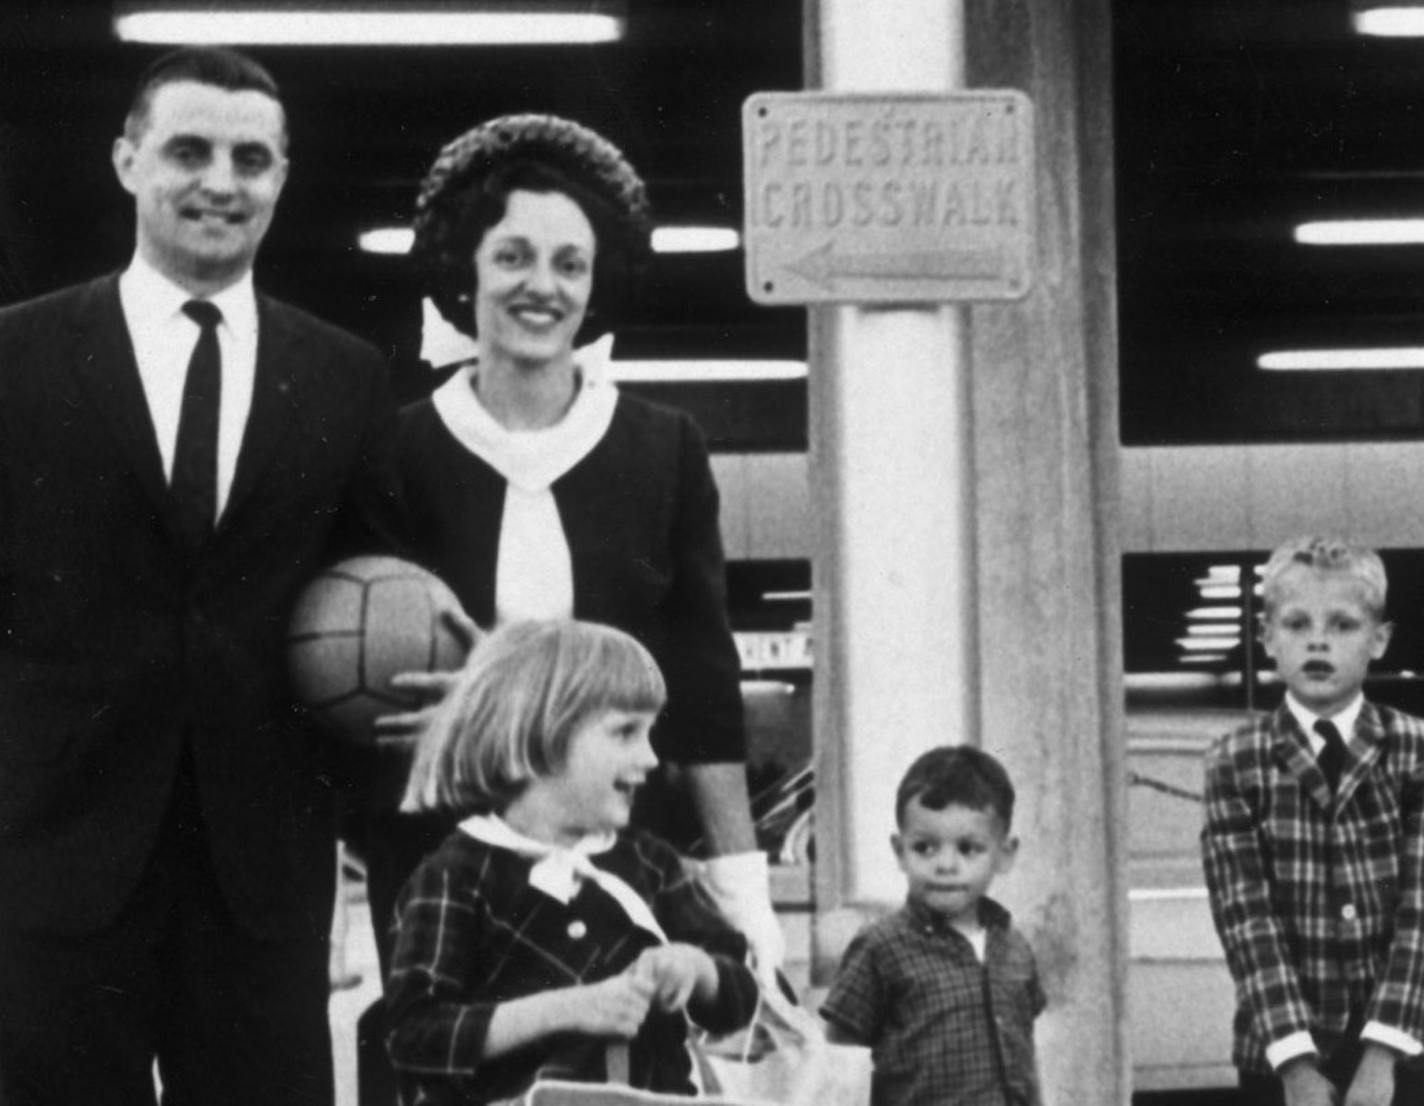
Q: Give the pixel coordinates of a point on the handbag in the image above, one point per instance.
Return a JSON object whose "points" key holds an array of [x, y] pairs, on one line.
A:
{"points": [[783, 1058], [615, 1092]]}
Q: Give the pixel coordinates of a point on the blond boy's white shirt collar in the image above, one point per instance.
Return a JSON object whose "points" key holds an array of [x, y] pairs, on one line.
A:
{"points": [[1344, 719], [163, 339]]}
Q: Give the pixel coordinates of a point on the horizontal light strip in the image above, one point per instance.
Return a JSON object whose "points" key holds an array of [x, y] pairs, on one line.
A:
{"points": [[1213, 628], [364, 27], [702, 371], [1393, 22], [1312, 360], [1164, 894], [1214, 612], [1361, 232], [786, 596], [397, 240], [392, 240], [1208, 644], [695, 239]]}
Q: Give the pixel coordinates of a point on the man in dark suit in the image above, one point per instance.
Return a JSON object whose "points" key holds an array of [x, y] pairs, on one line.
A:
{"points": [[177, 451]]}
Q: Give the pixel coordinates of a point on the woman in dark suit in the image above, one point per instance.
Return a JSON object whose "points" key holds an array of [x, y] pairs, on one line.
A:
{"points": [[535, 488]]}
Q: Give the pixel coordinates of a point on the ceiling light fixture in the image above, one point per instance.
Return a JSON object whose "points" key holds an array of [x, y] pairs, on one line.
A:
{"points": [[695, 239], [387, 240], [705, 371], [1361, 232], [397, 240], [1208, 644], [1214, 612], [1336, 360], [479, 23], [1389, 20]]}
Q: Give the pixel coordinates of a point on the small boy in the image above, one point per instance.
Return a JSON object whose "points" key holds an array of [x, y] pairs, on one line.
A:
{"points": [[945, 990], [1313, 847]]}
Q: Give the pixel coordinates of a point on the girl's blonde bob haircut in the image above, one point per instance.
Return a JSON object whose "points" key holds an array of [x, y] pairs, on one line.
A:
{"points": [[524, 692]]}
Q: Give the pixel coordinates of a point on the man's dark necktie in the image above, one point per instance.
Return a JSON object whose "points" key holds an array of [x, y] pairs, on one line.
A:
{"points": [[195, 457], [1332, 755]]}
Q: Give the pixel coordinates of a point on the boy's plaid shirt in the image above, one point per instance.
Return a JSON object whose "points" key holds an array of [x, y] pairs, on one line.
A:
{"points": [[1319, 904]]}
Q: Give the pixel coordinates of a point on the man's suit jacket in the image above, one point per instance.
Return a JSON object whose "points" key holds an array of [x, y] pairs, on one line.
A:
{"points": [[117, 646]]}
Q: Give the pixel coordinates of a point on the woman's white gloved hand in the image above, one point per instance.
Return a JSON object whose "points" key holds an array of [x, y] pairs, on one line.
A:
{"points": [[740, 886]]}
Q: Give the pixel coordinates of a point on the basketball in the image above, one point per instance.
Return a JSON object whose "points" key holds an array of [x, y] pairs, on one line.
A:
{"points": [[356, 625]]}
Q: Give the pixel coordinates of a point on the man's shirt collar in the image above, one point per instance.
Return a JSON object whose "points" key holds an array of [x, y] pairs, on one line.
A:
{"points": [[154, 300]]}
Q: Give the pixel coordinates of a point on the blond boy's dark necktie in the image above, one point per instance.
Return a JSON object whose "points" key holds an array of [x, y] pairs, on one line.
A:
{"points": [[1332, 754], [195, 457]]}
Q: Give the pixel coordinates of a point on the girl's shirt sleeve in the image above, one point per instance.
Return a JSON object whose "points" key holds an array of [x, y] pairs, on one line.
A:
{"points": [[687, 914], [435, 1028]]}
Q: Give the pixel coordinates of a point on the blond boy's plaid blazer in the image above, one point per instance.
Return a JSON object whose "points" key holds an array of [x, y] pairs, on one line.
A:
{"points": [[1319, 901]]}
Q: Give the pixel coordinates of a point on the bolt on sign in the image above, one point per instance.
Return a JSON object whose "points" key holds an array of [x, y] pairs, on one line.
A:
{"points": [[894, 198]]}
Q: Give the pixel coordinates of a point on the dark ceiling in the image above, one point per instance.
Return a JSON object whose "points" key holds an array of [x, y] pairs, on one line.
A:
{"points": [[1234, 118]]}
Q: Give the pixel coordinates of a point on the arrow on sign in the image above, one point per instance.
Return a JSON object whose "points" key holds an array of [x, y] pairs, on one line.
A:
{"points": [[823, 265]]}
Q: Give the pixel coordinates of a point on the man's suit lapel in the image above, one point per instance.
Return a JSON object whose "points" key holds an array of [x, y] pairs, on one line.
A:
{"points": [[96, 343], [274, 392]]}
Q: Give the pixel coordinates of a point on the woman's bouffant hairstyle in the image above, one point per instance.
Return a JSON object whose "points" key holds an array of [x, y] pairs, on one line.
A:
{"points": [[467, 189], [524, 692]]}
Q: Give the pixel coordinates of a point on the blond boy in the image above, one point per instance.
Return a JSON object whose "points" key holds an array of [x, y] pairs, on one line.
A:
{"points": [[1313, 847]]}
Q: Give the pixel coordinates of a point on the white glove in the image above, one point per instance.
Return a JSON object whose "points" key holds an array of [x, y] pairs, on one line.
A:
{"points": [[740, 885]]}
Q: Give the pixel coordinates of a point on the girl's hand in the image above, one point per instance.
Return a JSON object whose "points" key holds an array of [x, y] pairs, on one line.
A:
{"points": [[677, 973], [615, 1007]]}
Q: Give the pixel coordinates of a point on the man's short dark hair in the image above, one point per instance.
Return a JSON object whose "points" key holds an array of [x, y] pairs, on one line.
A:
{"points": [[212, 65], [960, 775]]}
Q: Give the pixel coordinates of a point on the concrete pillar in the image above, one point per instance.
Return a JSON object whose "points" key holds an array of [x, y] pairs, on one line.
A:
{"points": [[964, 475]]}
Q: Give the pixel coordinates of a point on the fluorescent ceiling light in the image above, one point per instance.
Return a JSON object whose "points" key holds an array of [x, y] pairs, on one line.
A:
{"points": [[394, 240], [1331, 360], [397, 240], [695, 239], [1214, 628], [1214, 612], [1396, 21], [701, 371], [1219, 591], [1361, 232], [436, 24], [1208, 644]]}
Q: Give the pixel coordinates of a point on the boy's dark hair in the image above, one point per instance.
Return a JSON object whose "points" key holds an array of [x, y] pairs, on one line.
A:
{"points": [[212, 65], [959, 774]]}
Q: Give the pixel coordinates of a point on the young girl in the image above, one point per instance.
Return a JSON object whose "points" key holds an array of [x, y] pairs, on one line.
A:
{"points": [[545, 928]]}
